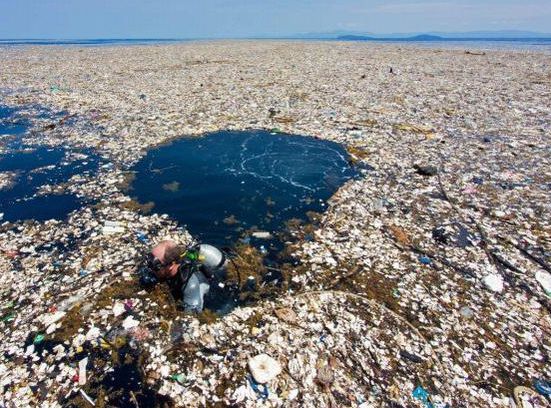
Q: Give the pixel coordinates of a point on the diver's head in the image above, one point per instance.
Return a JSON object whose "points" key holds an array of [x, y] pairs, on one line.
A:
{"points": [[164, 259]]}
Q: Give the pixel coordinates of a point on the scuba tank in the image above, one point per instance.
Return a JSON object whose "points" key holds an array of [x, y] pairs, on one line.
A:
{"points": [[212, 259]]}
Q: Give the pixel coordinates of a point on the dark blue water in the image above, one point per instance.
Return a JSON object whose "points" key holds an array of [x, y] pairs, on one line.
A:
{"points": [[225, 185], [477, 43], [32, 167], [10, 124], [90, 42], [525, 44]]}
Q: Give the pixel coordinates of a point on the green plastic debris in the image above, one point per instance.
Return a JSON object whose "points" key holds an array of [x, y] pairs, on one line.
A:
{"points": [[181, 378], [9, 317], [276, 130], [39, 338], [55, 88]]}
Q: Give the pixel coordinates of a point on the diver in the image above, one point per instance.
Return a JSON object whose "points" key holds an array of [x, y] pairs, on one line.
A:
{"points": [[190, 271]]}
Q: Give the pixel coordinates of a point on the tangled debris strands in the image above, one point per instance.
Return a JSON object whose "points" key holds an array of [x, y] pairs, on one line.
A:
{"points": [[373, 303], [492, 254]]}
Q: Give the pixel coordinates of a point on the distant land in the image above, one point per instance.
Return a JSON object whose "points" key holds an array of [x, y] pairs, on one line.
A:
{"points": [[420, 37], [508, 35]]}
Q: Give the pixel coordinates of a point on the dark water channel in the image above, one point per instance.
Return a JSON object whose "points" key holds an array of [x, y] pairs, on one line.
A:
{"points": [[237, 186], [28, 168]]}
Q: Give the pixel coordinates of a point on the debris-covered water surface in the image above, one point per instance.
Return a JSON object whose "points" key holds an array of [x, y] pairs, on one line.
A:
{"points": [[34, 179], [426, 283]]}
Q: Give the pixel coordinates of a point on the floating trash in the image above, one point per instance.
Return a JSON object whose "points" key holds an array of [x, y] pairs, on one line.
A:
{"points": [[494, 282], [431, 116], [264, 368]]}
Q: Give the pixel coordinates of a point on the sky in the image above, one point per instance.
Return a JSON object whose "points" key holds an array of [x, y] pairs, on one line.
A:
{"points": [[82, 19]]}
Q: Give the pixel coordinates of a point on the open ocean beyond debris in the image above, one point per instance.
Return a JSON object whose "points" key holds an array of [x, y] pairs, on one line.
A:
{"points": [[494, 43]]}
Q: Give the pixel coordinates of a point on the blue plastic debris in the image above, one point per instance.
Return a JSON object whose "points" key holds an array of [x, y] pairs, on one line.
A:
{"points": [[263, 393], [425, 260], [543, 387], [422, 395], [142, 237]]}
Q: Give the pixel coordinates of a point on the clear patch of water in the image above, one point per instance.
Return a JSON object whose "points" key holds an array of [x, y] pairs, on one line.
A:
{"points": [[231, 186]]}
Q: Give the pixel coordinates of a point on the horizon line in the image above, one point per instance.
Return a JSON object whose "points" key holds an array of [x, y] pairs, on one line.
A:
{"points": [[310, 35]]}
